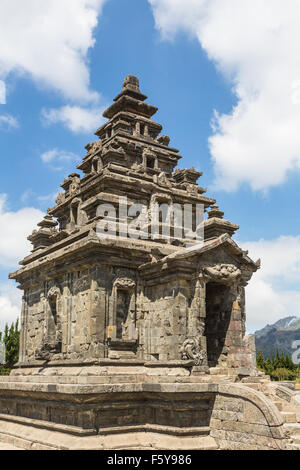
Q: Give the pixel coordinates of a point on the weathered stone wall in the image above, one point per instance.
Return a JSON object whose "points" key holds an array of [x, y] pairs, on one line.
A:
{"points": [[64, 318], [164, 327], [68, 317], [102, 411], [33, 322], [106, 310], [235, 416], [243, 419]]}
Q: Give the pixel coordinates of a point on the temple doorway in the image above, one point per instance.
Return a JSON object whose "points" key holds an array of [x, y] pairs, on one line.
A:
{"points": [[218, 314]]}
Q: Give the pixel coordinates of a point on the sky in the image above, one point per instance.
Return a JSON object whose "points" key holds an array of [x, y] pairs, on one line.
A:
{"points": [[225, 76]]}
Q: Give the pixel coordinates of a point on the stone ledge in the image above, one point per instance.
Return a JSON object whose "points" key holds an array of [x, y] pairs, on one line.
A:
{"points": [[73, 430], [172, 430], [83, 389], [188, 364], [31, 438], [78, 363]]}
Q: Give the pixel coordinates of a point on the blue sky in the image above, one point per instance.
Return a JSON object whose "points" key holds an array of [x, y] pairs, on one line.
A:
{"points": [[61, 66]]}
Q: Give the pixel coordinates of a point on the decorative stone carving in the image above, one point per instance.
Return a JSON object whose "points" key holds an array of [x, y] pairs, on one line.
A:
{"points": [[192, 188], [54, 292], [61, 197], [124, 283], [159, 198], [222, 272], [89, 146], [113, 148], [192, 349], [147, 152], [96, 146], [162, 180], [74, 186], [82, 284], [93, 147], [164, 140]]}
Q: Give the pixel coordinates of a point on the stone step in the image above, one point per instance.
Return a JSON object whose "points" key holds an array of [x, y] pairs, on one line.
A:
{"points": [[29, 437], [4, 446], [295, 439], [293, 428], [14, 442], [269, 395], [282, 406], [289, 416], [259, 380], [279, 405], [253, 380], [254, 386], [293, 447]]}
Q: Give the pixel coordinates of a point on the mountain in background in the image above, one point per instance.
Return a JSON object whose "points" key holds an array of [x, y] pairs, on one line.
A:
{"points": [[280, 335]]}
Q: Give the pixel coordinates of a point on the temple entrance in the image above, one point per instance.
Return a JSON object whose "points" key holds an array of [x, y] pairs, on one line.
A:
{"points": [[218, 314]]}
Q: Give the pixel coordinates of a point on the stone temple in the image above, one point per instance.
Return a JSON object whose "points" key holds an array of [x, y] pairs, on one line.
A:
{"points": [[135, 342]]}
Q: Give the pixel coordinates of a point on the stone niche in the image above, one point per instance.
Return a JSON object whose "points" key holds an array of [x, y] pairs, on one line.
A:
{"points": [[121, 331]]}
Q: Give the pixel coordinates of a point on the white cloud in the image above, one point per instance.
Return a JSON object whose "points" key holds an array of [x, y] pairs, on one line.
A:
{"points": [[49, 42], [58, 157], [27, 195], [7, 121], [48, 198], [75, 118], [2, 92], [255, 44], [15, 228], [274, 291], [10, 304]]}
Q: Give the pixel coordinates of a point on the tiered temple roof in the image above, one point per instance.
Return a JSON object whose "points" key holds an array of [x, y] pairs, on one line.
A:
{"points": [[130, 159]]}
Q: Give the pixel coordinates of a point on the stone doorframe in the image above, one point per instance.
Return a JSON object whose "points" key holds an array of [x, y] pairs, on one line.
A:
{"points": [[195, 346], [129, 331]]}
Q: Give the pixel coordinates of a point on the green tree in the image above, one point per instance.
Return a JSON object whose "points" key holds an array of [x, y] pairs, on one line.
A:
{"points": [[276, 362], [11, 340], [269, 366], [260, 360], [289, 363]]}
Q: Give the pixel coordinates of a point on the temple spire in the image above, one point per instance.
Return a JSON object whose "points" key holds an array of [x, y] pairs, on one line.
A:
{"points": [[216, 225], [131, 87]]}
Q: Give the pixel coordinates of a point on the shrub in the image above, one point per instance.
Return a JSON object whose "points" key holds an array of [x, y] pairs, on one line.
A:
{"points": [[283, 374]]}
